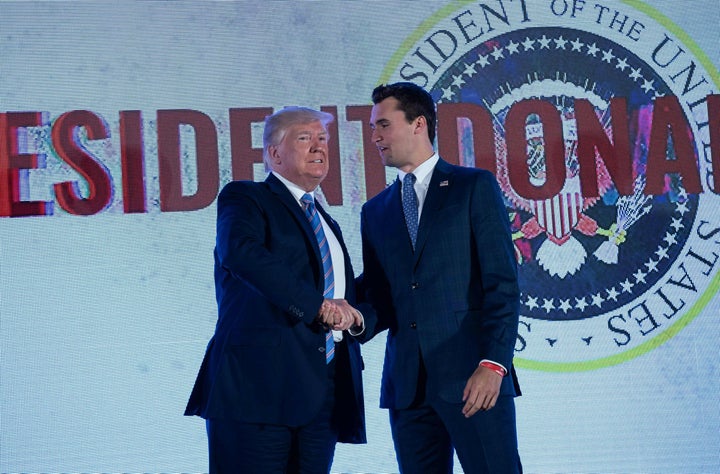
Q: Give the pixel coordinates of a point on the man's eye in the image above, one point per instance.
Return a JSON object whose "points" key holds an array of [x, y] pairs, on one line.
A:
{"points": [[303, 138]]}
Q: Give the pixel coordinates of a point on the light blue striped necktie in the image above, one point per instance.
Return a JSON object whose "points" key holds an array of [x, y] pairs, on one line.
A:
{"points": [[312, 215]]}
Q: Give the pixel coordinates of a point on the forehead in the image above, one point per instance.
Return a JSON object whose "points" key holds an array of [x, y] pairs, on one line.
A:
{"points": [[309, 127], [385, 110]]}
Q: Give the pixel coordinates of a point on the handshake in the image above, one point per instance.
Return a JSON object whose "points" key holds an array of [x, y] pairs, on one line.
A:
{"points": [[338, 315]]}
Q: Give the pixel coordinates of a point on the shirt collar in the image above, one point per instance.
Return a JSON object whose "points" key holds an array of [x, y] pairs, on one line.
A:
{"points": [[424, 171], [294, 189]]}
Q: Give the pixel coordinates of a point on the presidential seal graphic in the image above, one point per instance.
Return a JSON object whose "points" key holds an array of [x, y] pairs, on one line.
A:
{"points": [[597, 115]]}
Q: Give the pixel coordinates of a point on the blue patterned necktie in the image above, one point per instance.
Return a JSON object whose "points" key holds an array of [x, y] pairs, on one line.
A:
{"points": [[410, 206], [314, 219]]}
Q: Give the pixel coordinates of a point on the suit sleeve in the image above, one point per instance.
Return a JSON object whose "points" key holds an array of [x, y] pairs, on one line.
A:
{"points": [[373, 286], [242, 225], [493, 246]]}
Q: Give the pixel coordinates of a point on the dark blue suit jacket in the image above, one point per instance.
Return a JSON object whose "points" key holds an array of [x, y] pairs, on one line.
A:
{"points": [[266, 360], [455, 300]]}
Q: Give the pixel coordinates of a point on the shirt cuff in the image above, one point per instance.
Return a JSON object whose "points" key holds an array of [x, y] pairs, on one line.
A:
{"points": [[357, 330]]}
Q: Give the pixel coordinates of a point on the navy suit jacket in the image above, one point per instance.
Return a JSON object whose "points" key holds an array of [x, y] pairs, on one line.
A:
{"points": [[266, 360], [455, 300]]}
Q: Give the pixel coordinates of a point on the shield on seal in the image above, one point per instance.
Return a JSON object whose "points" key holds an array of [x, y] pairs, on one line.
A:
{"points": [[559, 215]]}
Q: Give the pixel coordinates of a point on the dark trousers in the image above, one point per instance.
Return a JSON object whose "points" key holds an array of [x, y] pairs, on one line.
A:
{"points": [[426, 433], [250, 448]]}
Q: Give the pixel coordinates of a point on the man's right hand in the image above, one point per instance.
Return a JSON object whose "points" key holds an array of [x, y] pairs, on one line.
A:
{"points": [[337, 314]]}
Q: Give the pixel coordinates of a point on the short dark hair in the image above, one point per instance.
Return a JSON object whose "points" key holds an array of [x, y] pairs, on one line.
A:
{"points": [[414, 101]]}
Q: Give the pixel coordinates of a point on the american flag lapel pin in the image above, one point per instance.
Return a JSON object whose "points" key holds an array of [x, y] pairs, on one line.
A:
{"points": [[443, 183]]}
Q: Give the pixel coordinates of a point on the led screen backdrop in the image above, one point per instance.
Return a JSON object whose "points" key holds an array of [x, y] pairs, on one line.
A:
{"points": [[120, 122]]}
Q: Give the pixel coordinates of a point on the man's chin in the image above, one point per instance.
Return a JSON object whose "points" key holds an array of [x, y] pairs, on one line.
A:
{"points": [[319, 179]]}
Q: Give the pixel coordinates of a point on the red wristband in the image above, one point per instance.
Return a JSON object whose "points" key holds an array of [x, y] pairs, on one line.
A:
{"points": [[494, 367]]}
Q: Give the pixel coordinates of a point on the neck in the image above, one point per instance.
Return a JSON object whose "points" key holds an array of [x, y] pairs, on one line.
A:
{"points": [[420, 158]]}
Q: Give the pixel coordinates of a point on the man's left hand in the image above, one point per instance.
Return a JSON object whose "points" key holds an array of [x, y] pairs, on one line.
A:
{"points": [[481, 391]]}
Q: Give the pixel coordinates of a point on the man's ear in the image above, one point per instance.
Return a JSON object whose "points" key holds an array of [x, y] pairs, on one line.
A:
{"points": [[274, 154], [420, 125]]}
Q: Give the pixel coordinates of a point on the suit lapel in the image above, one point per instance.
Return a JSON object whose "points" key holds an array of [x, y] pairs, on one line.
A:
{"points": [[288, 200], [392, 225], [440, 184]]}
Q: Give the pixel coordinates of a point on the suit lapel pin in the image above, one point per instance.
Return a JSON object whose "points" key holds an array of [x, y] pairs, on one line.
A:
{"points": [[444, 183]]}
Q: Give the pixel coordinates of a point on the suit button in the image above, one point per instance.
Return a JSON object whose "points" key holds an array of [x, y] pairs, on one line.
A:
{"points": [[413, 325], [414, 285], [321, 349]]}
